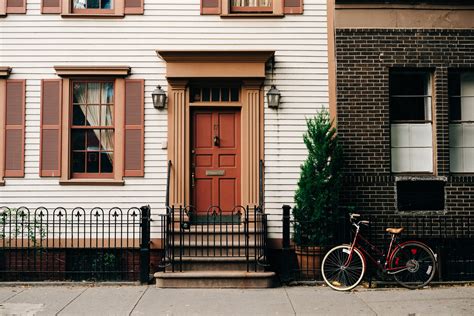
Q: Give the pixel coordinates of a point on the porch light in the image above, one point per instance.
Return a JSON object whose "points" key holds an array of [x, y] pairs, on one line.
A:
{"points": [[159, 98], [273, 97]]}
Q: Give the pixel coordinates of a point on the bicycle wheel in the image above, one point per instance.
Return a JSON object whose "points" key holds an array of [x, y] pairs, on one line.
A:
{"points": [[420, 265], [340, 273]]}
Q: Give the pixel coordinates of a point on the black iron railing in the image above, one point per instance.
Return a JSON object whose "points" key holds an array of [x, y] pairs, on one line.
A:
{"points": [[450, 237], [241, 233], [77, 244]]}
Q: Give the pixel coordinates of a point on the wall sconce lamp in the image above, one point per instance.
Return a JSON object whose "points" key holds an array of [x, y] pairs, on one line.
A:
{"points": [[273, 97], [159, 98]]}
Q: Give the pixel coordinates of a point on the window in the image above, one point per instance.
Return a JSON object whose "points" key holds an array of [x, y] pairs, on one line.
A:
{"points": [[461, 116], [82, 8], [251, 5], [411, 121], [92, 129], [96, 136], [420, 195], [91, 6], [251, 8]]}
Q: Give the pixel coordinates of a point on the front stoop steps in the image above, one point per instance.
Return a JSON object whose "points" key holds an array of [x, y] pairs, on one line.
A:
{"points": [[218, 263], [215, 279]]}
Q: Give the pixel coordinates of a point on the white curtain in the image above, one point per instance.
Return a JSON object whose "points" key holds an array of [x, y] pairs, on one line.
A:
{"points": [[80, 4], [92, 97], [251, 3]]}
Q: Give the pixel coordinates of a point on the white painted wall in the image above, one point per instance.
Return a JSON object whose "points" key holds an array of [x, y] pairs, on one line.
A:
{"points": [[33, 43]]}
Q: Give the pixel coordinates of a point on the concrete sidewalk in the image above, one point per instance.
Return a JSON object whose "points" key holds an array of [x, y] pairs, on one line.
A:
{"points": [[298, 300]]}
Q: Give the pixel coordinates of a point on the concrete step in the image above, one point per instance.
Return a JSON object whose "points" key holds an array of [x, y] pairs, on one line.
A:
{"points": [[215, 239], [216, 264], [215, 279], [213, 251]]}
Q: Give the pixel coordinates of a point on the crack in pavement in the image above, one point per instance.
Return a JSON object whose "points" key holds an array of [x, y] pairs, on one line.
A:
{"points": [[72, 300]]}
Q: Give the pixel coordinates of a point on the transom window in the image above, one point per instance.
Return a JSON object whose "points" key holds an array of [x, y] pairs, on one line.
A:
{"points": [[214, 94], [411, 121], [252, 5], [461, 121], [92, 129], [92, 5]]}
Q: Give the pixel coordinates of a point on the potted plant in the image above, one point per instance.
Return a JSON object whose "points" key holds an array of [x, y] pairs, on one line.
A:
{"points": [[317, 195]]}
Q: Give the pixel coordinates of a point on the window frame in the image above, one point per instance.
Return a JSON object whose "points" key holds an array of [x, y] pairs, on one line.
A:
{"points": [[275, 10], [118, 10], [430, 85], [91, 175], [457, 122]]}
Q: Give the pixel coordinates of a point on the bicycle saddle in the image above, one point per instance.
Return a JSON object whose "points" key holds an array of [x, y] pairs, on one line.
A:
{"points": [[395, 231]]}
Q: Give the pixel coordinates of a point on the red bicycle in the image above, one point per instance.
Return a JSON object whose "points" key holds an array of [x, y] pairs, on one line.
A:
{"points": [[412, 263]]}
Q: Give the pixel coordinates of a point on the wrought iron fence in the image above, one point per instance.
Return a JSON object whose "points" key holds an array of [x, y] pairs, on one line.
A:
{"points": [[450, 237], [241, 233], [77, 244]]}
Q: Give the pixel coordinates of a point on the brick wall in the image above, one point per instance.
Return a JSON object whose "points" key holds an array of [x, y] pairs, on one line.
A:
{"points": [[364, 58]]}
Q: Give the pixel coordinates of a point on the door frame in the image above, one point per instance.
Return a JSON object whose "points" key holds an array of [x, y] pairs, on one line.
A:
{"points": [[245, 67]]}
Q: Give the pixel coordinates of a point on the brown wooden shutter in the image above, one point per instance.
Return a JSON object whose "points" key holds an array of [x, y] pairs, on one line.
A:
{"points": [[50, 142], [293, 7], [15, 129], [133, 6], [50, 6], [16, 6], [210, 6], [134, 128]]}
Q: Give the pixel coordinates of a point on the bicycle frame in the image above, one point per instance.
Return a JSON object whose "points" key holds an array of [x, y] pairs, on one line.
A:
{"points": [[387, 258]]}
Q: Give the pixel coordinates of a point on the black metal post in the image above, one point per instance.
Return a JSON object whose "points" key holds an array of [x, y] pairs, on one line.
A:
{"points": [[286, 243], [145, 245]]}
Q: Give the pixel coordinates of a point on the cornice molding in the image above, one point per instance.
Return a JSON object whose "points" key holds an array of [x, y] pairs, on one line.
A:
{"points": [[68, 71]]}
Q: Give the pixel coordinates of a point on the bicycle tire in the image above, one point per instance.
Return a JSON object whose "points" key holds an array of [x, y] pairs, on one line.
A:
{"points": [[420, 261], [336, 275]]}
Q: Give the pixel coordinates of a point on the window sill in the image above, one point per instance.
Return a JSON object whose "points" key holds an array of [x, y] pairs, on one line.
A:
{"points": [[92, 15], [92, 182], [252, 15]]}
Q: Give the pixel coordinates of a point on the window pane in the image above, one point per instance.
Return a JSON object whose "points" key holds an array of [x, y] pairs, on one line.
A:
{"points": [[206, 95], [107, 93], [78, 139], [106, 4], [93, 93], [78, 115], [234, 94], [467, 96], [195, 95], [225, 92], [78, 162], [80, 4], [79, 93], [93, 115], [107, 140], [93, 139], [106, 162], [106, 115], [92, 4], [92, 162], [215, 94], [410, 96], [251, 3]]}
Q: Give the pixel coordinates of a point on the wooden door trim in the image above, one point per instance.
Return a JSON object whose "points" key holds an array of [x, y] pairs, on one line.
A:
{"points": [[252, 136]]}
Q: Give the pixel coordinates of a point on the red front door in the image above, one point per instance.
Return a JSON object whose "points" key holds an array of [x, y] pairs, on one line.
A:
{"points": [[215, 151]]}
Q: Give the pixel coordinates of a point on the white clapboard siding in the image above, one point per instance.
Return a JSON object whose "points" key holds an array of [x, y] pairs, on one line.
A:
{"points": [[33, 43]]}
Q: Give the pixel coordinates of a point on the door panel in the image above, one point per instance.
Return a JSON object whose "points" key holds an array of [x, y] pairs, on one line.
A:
{"points": [[215, 158]]}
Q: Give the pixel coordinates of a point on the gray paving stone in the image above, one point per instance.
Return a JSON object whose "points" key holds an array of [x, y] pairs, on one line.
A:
{"points": [[214, 302], [8, 292], [317, 300], [105, 300], [51, 298], [23, 309]]}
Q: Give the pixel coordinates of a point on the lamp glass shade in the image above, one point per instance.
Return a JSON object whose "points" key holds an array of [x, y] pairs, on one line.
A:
{"points": [[273, 97], [159, 98]]}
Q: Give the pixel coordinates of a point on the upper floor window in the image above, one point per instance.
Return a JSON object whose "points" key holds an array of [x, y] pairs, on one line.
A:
{"points": [[251, 5], [461, 121], [99, 6], [411, 121]]}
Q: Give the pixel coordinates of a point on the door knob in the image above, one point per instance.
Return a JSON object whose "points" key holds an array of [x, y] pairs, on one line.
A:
{"points": [[216, 141]]}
